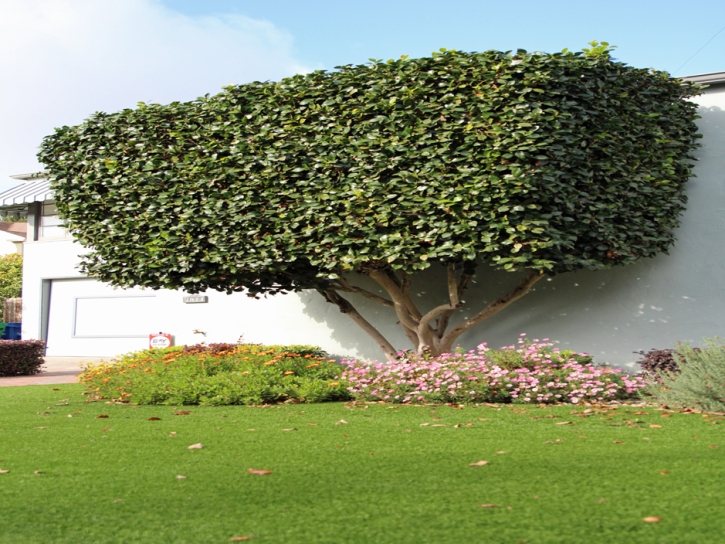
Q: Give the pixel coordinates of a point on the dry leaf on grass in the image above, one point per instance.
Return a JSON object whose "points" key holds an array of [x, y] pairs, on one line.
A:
{"points": [[38, 472], [154, 419], [501, 452], [654, 426], [479, 464], [488, 505], [259, 471], [341, 422], [651, 519], [240, 538], [714, 447], [290, 429], [196, 446], [618, 442], [3, 471], [118, 500], [564, 423], [664, 472], [182, 413], [102, 416]]}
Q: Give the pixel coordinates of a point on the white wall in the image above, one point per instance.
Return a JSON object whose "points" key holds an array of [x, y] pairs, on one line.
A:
{"points": [[612, 313]]}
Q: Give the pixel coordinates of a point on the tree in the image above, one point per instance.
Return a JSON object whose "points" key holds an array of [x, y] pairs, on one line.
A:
{"points": [[538, 163], [11, 277]]}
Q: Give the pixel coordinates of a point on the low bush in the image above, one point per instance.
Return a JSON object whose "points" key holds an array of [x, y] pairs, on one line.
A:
{"points": [[700, 382], [532, 372], [21, 357], [218, 374], [656, 361]]}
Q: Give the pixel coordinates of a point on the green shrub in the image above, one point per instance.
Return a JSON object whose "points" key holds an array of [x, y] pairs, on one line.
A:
{"points": [[701, 380], [218, 374], [11, 277]]}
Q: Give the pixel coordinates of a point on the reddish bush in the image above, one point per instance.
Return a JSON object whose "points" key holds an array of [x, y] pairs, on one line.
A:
{"points": [[21, 357]]}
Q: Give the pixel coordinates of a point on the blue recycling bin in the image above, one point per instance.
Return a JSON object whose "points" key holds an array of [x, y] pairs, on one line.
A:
{"points": [[11, 332]]}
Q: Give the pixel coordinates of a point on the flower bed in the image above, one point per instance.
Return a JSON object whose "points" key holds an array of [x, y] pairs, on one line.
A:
{"points": [[531, 372]]}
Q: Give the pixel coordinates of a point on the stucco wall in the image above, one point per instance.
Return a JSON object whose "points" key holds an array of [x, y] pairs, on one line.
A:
{"points": [[610, 313]]}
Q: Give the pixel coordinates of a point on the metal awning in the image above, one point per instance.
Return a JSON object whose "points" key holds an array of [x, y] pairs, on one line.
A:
{"points": [[25, 193]]}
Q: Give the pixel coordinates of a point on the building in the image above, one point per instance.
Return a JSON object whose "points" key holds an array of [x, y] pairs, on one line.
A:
{"points": [[612, 313]]}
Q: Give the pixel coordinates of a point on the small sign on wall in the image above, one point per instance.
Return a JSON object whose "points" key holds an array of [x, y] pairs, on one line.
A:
{"points": [[160, 340], [196, 299]]}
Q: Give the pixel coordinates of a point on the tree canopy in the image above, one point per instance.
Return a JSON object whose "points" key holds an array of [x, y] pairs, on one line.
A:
{"points": [[524, 161]]}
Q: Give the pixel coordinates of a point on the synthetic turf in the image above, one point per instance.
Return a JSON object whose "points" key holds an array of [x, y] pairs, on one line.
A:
{"points": [[382, 477]]}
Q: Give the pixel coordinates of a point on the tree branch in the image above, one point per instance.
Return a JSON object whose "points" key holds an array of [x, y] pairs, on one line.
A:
{"points": [[443, 319], [346, 308], [383, 278], [345, 286], [496, 306]]}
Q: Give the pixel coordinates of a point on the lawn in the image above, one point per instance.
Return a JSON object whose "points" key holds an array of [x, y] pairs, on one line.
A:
{"points": [[103, 473]]}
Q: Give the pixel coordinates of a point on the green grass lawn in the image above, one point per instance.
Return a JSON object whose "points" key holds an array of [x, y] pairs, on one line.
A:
{"points": [[390, 474]]}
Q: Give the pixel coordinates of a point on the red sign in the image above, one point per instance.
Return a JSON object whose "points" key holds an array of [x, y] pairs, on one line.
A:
{"points": [[160, 340]]}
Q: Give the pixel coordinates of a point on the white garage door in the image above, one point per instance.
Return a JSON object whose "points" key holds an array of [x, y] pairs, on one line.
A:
{"points": [[89, 318]]}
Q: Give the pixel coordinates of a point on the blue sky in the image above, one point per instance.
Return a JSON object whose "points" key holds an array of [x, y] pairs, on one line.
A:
{"points": [[659, 34], [62, 60]]}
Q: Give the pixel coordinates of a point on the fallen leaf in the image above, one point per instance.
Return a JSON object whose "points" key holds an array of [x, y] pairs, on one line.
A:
{"points": [[64, 402], [424, 424], [180, 477], [501, 452], [341, 422], [714, 447], [439, 425], [457, 426], [172, 434], [118, 500], [56, 389], [651, 519], [102, 416], [196, 446], [182, 413], [479, 464], [154, 419], [41, 427], [38, 472], [483, 419], [469, 425], [312, 424], [564, 423], [618, 442], [3, 471], [602, 500], [290, 429], [664, 414], [239, 538], [664, 472], [654, 426], [488, 505], [509, 507], [641, 413], [69, 415], [258, 471]]}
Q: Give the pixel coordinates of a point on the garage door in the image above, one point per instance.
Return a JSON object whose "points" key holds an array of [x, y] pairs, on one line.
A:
{"points": [[89, 318]]}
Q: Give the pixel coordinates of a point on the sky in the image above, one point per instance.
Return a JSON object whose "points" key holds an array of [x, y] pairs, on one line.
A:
{"points": [[63, 60]]}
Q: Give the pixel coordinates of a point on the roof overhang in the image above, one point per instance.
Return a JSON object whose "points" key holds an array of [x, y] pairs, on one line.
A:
{"points": [[715, 78], [26, 193]]}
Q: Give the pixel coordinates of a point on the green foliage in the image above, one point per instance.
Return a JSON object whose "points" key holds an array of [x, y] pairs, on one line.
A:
{"points": [[14, 219], [11, 277], [598, 49], [550, 162], [218, 374], [700, 382]]}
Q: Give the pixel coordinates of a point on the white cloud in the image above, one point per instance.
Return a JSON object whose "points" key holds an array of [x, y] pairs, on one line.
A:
{"points": [[62, 60]]}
